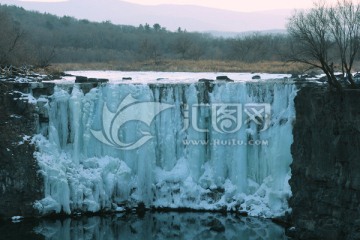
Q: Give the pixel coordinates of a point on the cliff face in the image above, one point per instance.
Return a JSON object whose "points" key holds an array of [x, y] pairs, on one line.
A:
{"points": [[325, 170], [326, 164], [20, 184]]}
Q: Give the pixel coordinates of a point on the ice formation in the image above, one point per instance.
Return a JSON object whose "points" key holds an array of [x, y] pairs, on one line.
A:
{"points": [[192, 156]]}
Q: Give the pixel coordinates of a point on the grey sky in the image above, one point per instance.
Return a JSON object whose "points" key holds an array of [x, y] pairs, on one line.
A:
{"points": [[237, 5]]}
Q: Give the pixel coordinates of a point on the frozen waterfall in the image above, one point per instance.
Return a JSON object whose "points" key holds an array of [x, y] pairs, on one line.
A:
{"points": [[199, 146]]}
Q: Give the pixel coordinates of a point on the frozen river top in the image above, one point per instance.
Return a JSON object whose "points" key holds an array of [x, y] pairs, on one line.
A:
{"points": [[166, 77]]}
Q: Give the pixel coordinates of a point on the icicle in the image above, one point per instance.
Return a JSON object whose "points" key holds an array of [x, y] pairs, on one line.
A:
{"points": [[192, 156]]}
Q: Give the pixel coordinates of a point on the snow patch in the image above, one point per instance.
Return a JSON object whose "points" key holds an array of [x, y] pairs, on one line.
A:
{"points": [[17, 219]]}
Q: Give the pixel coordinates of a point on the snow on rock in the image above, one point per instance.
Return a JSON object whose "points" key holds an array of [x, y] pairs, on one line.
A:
{"points": [[165, 77], [185, 159], [26, 138], [17, 219]]}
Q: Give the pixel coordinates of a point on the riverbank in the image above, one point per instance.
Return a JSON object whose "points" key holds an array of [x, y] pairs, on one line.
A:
{"points": [[184, 66]]}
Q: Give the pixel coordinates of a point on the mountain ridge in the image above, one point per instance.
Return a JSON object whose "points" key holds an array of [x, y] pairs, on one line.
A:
{"points": [[189, 17]]}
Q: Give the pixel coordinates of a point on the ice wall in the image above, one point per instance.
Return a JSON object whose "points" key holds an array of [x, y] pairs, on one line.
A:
{"points": [[197, 147]]}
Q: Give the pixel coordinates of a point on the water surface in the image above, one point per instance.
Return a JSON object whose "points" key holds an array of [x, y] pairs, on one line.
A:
{"points": [[153, 225]]}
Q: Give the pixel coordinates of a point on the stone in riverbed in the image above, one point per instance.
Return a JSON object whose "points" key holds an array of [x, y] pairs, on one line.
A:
{"points": [[224, 78], [103, 80], [81, 79], [205, 80]]}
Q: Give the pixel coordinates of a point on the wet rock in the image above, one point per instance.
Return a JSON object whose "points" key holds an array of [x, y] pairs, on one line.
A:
{"points": [[323, 79], [291, 232], [23, 74], [55, 76], [126, 78], [214, 195], [42, 89], [141, 209], [224, 81], [204, 89], [307, 76], [205, 80], [256, 77], [294, 75], [339, 76], [216, 226], [102, 80], [97, 80], [357, 75], [81, 79], [325, 170], [223, 78], [20, 184]]}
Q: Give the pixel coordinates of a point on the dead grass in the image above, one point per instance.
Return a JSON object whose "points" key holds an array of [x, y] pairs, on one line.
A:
{"points": [[185, 66]]}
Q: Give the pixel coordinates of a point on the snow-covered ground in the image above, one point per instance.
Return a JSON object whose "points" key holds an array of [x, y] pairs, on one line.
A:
{"points": [[166, 77]]}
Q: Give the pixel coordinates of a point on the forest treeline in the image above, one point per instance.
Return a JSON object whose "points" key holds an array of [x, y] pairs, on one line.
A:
{"points": [[29, 37]]}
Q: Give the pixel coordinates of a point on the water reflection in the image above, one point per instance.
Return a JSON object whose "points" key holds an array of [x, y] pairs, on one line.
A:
{"points": [[157, 226]]}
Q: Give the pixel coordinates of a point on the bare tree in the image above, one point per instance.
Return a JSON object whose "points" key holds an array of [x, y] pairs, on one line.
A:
{"points": [[252, 48], [12, 35], [150, 50], [345, 28], [327, 34], [44, 56], [182, 44]]}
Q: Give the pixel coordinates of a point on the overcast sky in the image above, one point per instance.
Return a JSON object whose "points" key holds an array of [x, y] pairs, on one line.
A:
{"points": [[236, 5]]}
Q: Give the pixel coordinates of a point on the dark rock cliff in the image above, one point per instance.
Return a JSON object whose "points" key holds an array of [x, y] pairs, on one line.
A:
{"points": [[326, 164], [20, 184], [325, 170]]}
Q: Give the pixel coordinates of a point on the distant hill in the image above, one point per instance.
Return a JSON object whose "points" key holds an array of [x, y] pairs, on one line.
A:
{"points": [[244, 34], [42, 38], [192, 18]]}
